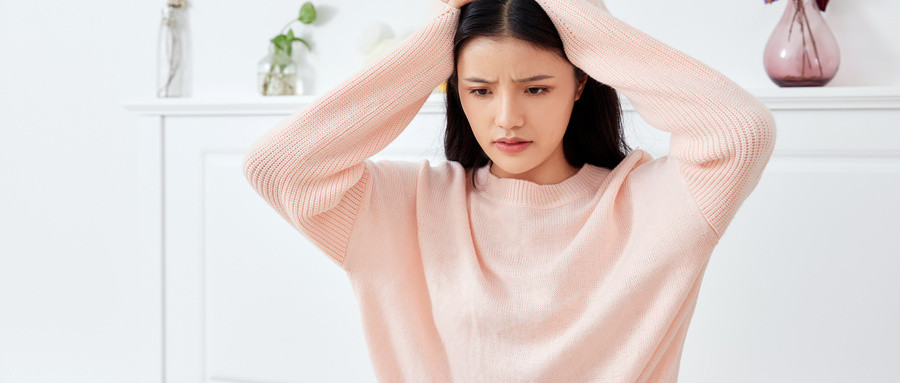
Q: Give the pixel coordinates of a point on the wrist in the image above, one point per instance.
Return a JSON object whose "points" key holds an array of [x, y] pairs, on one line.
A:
{"points": [[452, 3]]}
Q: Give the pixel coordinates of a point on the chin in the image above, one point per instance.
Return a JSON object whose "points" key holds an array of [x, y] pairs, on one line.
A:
{"points": [[512, 166]]}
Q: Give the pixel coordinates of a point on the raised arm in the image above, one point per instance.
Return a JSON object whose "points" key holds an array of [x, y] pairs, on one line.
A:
{"points": [[311, 167], [722, 136]]}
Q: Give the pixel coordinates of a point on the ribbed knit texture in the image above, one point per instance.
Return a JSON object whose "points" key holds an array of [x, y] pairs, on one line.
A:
{"points": [[593, 279]]}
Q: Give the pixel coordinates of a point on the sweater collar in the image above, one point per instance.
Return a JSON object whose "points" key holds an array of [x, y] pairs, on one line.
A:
{"points": [[526, 193]]}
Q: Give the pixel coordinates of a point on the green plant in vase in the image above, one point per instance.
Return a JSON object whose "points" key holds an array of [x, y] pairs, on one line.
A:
{"points": [[278, 71]]}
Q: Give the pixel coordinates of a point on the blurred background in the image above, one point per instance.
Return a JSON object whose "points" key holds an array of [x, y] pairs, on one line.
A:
{"points": [[78, 303]]}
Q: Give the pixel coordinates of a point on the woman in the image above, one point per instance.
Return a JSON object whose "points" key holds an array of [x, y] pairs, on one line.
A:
{"points": [[562, 260]]}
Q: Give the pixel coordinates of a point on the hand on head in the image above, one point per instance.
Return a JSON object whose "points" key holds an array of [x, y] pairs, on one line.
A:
{"points": [[457, 3]]}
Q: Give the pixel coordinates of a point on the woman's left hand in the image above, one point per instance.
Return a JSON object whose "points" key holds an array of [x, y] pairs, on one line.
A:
{"points": [[458, 3]]}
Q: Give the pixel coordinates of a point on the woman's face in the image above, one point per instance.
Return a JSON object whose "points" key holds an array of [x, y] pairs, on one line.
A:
{"points": [[510, 88]]}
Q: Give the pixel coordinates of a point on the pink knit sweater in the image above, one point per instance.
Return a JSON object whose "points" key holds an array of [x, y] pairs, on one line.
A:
{"points": [[593, 279]]}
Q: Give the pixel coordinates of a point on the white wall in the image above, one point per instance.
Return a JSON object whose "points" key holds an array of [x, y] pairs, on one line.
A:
{"points": [[73, 298]]}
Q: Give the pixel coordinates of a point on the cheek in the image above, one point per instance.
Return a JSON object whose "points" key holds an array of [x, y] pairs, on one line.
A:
{"points": [[558, 114], [477, 121], [482, 134]]}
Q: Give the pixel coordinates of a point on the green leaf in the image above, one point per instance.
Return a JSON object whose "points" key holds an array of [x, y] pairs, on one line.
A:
{"points": [[304, 42], [281, 42], [307, 13], [289, 42]]}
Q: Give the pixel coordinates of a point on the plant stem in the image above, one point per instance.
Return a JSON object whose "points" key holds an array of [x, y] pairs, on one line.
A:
{"points": [[812, 38], [287, 25], [801, 14], [174, 54], [268, 77], [174, 59], [802, 20]]}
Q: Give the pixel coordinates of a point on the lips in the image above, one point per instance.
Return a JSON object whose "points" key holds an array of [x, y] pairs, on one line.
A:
{"points": [[512, 148], [512, 140]]}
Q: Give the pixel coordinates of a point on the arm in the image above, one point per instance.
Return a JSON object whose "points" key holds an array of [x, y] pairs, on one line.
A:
{"points": [[722, 136], [311, 167]]}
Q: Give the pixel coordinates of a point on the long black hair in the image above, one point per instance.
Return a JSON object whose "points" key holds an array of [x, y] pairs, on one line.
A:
{"points": [[594, 134]]}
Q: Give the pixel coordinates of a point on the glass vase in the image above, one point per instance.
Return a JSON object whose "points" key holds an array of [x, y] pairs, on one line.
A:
{"points": [[801, 51], [277, 75], [173, 64]]}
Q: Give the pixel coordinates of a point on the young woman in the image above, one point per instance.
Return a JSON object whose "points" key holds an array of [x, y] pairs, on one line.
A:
{"points": [[569, 258]]}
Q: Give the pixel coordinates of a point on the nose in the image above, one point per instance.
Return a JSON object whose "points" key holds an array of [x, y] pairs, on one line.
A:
{"points": [[509, 113]]}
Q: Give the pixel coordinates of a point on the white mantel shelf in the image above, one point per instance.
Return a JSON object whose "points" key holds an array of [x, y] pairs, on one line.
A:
{"points": [[201, 222], [798, 98]]}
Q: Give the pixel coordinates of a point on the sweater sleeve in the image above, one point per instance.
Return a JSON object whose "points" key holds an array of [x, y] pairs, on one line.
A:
{"points": [[312, 167], [722, 136]]}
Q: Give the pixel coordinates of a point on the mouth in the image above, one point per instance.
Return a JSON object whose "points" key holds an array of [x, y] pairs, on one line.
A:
{"points": [[511, 141], [516, 147]]}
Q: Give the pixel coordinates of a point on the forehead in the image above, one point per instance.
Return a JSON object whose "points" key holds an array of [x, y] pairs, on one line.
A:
{"points": [[498, 56]]}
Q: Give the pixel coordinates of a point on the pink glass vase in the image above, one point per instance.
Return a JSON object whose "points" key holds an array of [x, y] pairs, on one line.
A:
{"points": [[802, 51]]}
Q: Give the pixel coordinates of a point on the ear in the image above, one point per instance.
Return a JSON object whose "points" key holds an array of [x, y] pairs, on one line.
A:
{"points": [[580, 89]]}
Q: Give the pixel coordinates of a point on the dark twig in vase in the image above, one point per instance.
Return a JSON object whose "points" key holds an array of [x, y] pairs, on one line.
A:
{"points": [[174, 57], [799, 17], [812, 38], [268, 79]]}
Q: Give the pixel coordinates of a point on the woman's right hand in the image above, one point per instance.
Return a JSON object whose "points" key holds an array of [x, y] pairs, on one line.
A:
{"points": [[457, 3]]}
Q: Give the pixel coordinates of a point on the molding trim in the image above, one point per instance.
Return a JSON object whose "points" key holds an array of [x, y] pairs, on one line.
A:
{"points": [[800, 98]]}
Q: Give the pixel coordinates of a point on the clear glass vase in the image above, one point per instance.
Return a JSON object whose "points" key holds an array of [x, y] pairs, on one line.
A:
{"points": [[173, 66], [802, 51], [277, 75]]}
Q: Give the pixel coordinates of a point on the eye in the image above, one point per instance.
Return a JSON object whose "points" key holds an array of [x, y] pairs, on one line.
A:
{"points": [[539, 91]]}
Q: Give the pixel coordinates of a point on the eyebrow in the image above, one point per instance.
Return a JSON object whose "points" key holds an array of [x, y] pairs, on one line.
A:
{"points": [[529, 79]]}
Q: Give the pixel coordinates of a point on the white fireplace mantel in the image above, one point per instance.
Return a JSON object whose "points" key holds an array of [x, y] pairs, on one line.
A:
{"points": [[799, 98], [244, 297]]}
